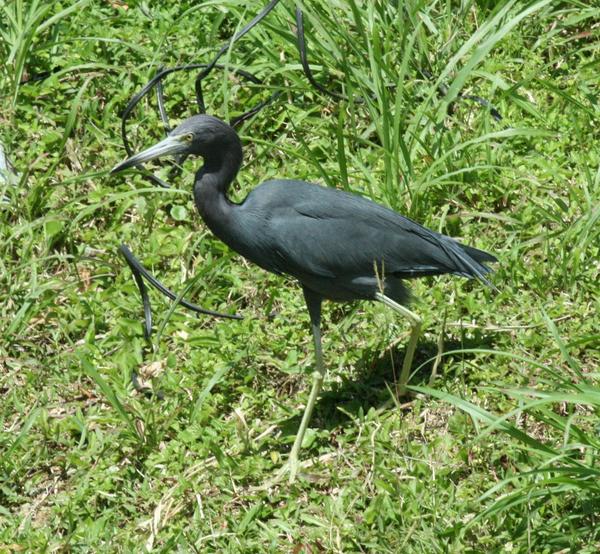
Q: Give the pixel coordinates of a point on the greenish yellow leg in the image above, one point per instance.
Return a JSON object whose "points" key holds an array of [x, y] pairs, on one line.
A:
{"points": [[415, 323], [318, 376]]}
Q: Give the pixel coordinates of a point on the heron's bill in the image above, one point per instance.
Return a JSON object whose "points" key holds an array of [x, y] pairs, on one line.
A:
{"points": [[173, 145]]}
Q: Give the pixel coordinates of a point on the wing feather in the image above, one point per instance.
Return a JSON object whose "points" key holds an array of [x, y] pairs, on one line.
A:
{"points": [[330, 233]]}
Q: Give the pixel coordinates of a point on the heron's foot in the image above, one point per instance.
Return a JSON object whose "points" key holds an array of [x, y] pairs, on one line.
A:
{"points": [[395, 402], [402, 392], [290, 471]]}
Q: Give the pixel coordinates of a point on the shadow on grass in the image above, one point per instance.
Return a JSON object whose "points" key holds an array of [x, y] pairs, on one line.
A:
{"points": [[375, 379]]}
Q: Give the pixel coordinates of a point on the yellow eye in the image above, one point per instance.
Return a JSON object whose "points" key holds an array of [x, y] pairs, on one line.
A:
{"points": [[189, 137]]}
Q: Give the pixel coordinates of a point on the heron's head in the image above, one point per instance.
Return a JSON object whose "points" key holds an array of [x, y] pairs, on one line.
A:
{"points": [[199, 135]]}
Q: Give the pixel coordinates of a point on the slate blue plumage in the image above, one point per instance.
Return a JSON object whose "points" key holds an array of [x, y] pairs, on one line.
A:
{"points": [[329, 240], [339, 246]]}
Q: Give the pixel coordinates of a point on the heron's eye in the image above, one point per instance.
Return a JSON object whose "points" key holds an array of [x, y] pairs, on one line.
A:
{"points": [[189, 137]]}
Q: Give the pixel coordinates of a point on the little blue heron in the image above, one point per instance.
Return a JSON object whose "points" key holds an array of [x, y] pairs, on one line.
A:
{"points": [[339, 246]]}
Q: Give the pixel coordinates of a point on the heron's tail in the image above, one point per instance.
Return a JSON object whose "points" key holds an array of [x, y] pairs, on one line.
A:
{"points": [[468, 261], [479, 255]]}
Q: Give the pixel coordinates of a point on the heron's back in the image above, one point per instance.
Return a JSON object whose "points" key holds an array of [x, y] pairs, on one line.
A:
{"points": [[344, 246]]}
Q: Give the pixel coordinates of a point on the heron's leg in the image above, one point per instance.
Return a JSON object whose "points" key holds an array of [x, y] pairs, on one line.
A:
{"points": [[313, 302], [415, 323]]}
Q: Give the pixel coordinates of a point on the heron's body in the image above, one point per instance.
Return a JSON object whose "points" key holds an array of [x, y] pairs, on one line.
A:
{"points": [[306, 235], [339, 246]]}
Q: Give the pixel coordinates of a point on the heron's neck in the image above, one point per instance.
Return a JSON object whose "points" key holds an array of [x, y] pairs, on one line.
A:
{"points": [[212, 183]]}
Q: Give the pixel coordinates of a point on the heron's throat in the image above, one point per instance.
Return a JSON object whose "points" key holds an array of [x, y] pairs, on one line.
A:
{"points": [[213, 180]]}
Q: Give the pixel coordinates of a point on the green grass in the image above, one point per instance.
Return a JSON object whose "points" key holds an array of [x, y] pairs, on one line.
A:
{"points": [[499, 453]]}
